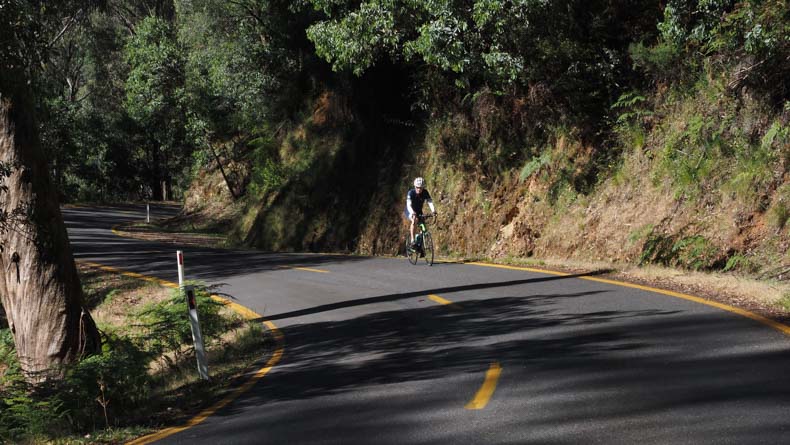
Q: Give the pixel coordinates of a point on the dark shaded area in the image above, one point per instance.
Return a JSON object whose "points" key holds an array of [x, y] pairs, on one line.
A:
{"points": [[353, 184], [92, 241], [568, 377], [422, 293]]}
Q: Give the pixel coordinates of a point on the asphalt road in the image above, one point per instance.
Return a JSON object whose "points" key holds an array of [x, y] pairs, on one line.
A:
{"points": [[370, 357]]}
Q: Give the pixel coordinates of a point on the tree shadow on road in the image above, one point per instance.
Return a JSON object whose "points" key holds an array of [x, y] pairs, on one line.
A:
{"points": [[580, 374]]}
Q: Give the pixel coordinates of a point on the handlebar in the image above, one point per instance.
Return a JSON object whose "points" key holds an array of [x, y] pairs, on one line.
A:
{"points": [[427, 217]]}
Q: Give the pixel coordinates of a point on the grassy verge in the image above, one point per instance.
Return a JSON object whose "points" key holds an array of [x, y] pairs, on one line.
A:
{"points": [[144, 379]]}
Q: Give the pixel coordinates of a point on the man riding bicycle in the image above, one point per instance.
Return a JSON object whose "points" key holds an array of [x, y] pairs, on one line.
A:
{"points": [[414, 202]]}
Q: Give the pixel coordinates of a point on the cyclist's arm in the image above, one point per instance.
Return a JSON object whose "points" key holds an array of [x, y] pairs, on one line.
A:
{"points": [[429, 200], [408, 205]]}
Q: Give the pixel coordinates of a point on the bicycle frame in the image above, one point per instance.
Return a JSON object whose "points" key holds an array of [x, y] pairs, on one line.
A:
{"points": [[420, 240]]}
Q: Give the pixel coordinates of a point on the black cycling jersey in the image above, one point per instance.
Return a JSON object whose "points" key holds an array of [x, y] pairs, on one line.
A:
{"points": [[417, 200]]}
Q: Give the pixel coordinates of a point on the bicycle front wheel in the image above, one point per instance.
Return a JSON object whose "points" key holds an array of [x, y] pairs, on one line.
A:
{"points": [[427, 245], [412, 254]]}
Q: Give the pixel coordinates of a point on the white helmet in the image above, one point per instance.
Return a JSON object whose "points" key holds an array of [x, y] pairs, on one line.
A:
{"points": [[419, 182]]}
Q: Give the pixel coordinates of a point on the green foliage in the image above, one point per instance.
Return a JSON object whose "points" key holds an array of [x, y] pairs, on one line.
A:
{"points": [[753, 172], [268, 172], [728, 30], [534, 165], [111, 388], [779, 215], [779, 212], [155, 96], [741, 263], [632, 107], [355, 41], [578, 47], [693, 252], [166, 324], [118, 375], [661, 61], [155, 80], [691, 156]]}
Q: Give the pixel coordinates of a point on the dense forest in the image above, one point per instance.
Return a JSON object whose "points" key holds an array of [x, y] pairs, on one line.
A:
{"points": [[627, 131], [519, 113]]}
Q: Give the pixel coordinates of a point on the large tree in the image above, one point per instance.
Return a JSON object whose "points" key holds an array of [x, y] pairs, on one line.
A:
{"points": [[40, 289]]}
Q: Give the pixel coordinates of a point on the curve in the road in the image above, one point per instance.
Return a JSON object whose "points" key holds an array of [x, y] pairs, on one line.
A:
{"points": [[259, 374], [549, 354], [756, 317]]}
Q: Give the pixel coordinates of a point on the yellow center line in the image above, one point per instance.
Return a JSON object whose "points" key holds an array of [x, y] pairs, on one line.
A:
{"points": [[443, 301], [439, 299], [310, 269], [485, 392], [203, 415]]}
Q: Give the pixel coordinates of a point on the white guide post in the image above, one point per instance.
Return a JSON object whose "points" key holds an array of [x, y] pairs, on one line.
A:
{"points": [[197, 337], [147, 213], [180, 258]]}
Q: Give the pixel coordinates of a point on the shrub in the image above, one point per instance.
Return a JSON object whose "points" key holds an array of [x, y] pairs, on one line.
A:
{"points": [[22, 415], [166, 326], [268, 172], [106, 386], [690, 252]]}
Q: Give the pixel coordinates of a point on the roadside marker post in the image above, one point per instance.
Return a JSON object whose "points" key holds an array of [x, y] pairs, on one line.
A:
{"points": [[180, 258], [147, 213], [197, 337]]}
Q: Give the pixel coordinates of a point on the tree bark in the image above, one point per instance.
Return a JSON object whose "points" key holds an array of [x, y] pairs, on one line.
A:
{"points": [[40, 289], [222, 170]]}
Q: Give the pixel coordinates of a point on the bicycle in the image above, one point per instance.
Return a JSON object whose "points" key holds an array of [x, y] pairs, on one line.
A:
{"points": [[423, 241]]}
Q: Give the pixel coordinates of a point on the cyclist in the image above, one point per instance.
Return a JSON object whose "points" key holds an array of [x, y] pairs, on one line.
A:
{"points": [[414, 201]]}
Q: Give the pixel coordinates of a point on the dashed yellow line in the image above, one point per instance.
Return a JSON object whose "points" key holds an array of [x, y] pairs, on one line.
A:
{"points": [[483, 395], [480, 400], [759, 318], [308, 269], [259, 374], [443, 301]]}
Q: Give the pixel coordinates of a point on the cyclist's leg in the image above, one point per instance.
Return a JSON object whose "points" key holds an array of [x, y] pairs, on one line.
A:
{"points": [[409, 221], [413, 227]]}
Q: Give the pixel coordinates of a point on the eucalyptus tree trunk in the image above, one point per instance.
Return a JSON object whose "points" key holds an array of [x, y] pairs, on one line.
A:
{"points": [[40, 289]]}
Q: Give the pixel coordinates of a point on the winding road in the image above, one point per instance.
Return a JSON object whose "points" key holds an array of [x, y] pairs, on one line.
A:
{"points": [[379, 351]]}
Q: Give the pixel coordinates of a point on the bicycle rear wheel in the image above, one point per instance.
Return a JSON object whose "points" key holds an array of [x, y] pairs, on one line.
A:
{"points": [[412, 254], [427, 245]]}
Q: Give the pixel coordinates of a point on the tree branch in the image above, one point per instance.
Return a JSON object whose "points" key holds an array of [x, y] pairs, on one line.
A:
{"points": [[72, 20]]}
